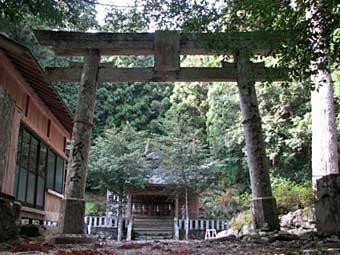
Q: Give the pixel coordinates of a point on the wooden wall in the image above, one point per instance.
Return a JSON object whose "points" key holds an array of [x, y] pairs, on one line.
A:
{"points": [[31, 112], [193, 206]]}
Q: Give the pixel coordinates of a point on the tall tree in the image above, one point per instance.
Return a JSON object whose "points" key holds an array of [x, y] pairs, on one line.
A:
{"points": [[47, 13], [324, 140], [190, 167], [117, 163]]}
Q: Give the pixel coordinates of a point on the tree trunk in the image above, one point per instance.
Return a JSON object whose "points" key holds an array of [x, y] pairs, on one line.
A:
{"points": [[324, 134], [73, 207], [120, 220], [263, 203], [186, 214]]}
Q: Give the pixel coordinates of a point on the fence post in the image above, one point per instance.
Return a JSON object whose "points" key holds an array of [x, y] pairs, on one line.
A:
{"points": [[201, 224], [129, 229], [212, 224]]}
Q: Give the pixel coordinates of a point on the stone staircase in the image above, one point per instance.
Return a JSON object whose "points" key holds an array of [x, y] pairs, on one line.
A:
{"points": [[153, 228]]}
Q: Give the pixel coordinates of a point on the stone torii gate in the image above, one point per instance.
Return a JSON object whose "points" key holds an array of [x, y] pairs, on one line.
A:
{"points": [[166, 46]]}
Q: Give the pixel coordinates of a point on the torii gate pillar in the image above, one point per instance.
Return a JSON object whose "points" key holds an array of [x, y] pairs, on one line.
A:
{"points": [[73, 206], [264, 209]]}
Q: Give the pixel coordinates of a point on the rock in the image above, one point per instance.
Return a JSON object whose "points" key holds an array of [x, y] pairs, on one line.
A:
{"points": [[246, 230], [9, 219], [300, 221], [232, 232], [287, 220], [71, 239], [252, 238], [327, 206], [282, 236], [332, 238], [334, 251], [31, 230], [222, 233]]}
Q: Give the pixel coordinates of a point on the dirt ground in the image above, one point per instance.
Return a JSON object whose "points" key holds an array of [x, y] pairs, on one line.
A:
{"points": [[232, 247]]}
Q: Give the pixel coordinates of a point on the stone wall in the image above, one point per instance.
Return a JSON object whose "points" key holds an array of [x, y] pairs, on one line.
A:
{"points": [[327, 206], [7, 110], [9, 219]]}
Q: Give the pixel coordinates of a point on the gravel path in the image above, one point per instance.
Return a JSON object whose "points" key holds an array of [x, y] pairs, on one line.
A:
{"points": [[279, 245]]}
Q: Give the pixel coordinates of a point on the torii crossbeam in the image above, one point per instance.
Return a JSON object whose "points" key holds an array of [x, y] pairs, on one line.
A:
{"points": [[167, 47]]}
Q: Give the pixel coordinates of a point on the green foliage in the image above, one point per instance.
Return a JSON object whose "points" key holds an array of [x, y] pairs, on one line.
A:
{"points": [[188, 110], [243, 200], [290, 195], [249, 15], [225, 134], [287, 126], [243, 218], [116, 161], [64, 13], [140, 105], [199, 117], [96, 209], [189, 161], [223, 203]]}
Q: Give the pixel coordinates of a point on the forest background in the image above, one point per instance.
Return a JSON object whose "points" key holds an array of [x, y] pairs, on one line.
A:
{"points": [[208, 113]]}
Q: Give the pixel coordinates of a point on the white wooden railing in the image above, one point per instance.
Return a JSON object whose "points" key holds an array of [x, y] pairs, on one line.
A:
{"points": [[203, 224], [194, 224], [102, 221]]}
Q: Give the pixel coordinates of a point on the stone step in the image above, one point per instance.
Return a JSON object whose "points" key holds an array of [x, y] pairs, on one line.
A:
{"points": [[153, 235], [152, 231], [157, 237], [157, 228], [152, 226], [138, 229], [153, 221]]}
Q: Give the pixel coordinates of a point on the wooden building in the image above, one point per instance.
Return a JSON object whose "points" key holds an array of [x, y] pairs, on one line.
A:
{"points": [[154, 208], [158, 199], [35, 126]]}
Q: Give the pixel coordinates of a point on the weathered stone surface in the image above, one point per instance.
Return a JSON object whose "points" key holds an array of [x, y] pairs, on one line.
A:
{"points": [[7, 109], [264, 208], [31, 230], [232, 232], [9, 219], [105, 233], [246, 230], [299, 221], [328, 185], [71, 211], [71, 239], [327, 207], [330, 251]]}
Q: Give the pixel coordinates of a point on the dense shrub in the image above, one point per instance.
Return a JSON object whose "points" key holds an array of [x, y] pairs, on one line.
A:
{"points": [[95, 208], [243, 218], [290, 195]]}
